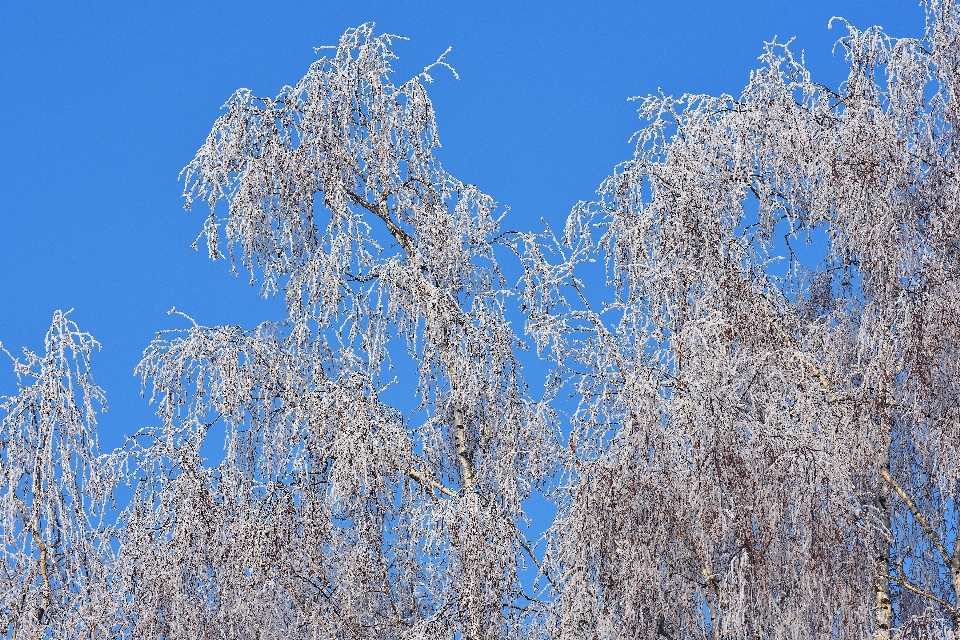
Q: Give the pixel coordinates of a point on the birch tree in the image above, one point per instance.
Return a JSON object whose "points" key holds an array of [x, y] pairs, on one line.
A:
{"points": [[333, 513], [753, 429], [53, 487], [763, 437]]}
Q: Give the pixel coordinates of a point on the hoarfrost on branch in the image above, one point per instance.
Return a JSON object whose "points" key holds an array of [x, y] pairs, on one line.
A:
{"points": [[740, 442]]}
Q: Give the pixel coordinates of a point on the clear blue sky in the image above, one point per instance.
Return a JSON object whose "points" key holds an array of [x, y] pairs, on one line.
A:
{"points": [[104, 103]]}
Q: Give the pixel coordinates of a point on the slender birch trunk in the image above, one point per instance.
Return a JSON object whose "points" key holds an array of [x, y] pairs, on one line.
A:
{"points": [[883, 620]]}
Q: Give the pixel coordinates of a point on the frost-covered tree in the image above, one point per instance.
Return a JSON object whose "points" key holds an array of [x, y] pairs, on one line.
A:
{"points": [[765, 445], [762, 439], [335, 513], [55, 552]]}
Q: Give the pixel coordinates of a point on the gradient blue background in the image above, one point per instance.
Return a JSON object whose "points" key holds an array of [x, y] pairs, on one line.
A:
{"points": [[103, 103]]}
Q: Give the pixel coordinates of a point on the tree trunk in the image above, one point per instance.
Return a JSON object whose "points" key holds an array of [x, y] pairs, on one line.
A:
{"points": [[883, 614], [883, 619]]}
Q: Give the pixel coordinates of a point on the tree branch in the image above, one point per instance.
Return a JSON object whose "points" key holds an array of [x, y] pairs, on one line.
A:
{"points": [[911, 505], [926, 594], [803, 358], [34, 526], [432, 484], [450, 493], [383, 212], [466, 460], [709, 576]]}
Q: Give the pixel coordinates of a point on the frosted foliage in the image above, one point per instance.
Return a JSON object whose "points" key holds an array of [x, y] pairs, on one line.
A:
{"points": [[743, 437], [333, 513], [753, 431], [54, 554]]}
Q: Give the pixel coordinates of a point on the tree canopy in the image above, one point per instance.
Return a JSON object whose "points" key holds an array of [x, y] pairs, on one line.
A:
{"points": [[741, 440]]}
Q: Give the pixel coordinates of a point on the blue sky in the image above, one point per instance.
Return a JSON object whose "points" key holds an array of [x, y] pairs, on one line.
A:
{"points": [[104, 103]]}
